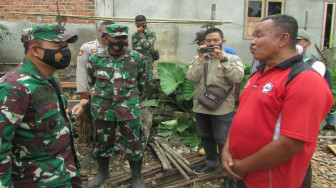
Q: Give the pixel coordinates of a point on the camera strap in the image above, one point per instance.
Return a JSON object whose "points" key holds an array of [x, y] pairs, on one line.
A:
{"points": [[205, 74]]}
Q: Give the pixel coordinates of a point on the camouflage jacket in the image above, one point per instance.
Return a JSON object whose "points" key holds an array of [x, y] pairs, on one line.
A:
{"points": [[144, 43], [36, 143], [116, 84]]}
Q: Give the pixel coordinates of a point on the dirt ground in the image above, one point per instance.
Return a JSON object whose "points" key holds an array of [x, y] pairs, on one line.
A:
{"points": [[323, 164]]}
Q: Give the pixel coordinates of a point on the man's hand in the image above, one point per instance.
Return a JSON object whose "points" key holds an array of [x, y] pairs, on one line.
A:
{"points": [[201, 55], [228, 163], [140, 30], [217, 53], [84, 95], [238, 168]]}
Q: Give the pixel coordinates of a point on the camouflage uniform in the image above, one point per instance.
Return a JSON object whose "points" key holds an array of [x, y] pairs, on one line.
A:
{"points": [[117, 83], [36, 141], [144, 44]]}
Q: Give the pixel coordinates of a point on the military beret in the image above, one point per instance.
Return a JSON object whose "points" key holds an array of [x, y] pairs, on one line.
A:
{"points": [[302, 34], [117, 30], [53, 33]]}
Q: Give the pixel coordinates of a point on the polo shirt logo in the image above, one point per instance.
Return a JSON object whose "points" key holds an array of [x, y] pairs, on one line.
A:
{"points": [[267, 88]]}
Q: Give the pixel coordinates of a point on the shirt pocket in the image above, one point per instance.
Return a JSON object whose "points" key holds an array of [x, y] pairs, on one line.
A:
{"points": [[51, 121], [103, 86], [129, 68]]}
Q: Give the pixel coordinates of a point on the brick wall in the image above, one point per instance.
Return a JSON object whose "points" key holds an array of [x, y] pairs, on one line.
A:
{"points": [[71, 7]]}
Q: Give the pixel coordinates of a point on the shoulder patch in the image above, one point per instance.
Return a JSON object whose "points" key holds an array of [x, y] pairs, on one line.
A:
{"points": [[80, 52]]}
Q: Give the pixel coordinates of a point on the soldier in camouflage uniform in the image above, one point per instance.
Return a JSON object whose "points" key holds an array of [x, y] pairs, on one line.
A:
{"points": [[143, 42], [117, 77], [36, 141], [86, 50]]}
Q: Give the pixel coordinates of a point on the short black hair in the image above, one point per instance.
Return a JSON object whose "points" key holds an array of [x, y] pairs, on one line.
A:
{"points": [[28, 43], [105, 23], [213, 30], [140, 18], [285, 24]]}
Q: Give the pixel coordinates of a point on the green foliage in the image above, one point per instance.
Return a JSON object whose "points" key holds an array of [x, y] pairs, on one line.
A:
{"points": [[5, 34], [329, 57], [247, 67], [179, 92], [174, 84], [185, 127]]}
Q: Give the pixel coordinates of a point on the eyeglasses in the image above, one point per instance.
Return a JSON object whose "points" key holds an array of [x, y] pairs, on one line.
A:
{"points": [[123, 37]]}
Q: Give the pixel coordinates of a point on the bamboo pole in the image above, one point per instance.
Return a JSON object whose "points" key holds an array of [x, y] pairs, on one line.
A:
{"points": [[163, 161], [177, 159], [165, 158], [122, 19], [178, 167], [179, 155]]}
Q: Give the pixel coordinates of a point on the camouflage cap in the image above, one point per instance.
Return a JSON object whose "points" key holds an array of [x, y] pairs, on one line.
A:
{"points": [[53, 33], [302, 34], [117, 30]]}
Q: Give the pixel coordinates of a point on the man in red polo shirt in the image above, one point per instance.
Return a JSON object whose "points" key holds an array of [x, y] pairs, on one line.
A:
{"points": [[274, 132]]}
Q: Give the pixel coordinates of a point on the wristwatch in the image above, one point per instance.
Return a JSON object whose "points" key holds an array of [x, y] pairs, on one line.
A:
{"points": [[224, 60]]}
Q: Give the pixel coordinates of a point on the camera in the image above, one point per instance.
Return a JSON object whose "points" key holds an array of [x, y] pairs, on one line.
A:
{"points": [[207, 49]]}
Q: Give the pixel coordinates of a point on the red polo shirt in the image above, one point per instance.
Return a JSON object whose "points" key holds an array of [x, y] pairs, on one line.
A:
{"points": [[291, 98]]}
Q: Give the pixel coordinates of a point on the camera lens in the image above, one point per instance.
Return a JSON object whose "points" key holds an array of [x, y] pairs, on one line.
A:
{"points": [[203, 50]]}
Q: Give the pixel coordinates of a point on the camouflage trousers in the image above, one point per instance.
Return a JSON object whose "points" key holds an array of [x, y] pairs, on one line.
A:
{"points": [[132, 134], [149, 66]]}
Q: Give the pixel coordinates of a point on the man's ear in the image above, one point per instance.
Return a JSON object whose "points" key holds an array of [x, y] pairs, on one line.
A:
{"points": [[308, 44], [224, 41], [34, 50], [284, 39]]}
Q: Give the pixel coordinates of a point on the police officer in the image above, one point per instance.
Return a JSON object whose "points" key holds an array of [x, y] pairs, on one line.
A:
{"points": [[36, 141], [86, 50], [143, 42], [117, 77]]}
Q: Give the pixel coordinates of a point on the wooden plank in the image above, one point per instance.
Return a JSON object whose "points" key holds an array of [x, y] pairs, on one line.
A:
{"points": [[68, 84]]}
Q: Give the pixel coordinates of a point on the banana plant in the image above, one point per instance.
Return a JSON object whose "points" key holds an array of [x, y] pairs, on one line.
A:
{"points": [[174, 84]]}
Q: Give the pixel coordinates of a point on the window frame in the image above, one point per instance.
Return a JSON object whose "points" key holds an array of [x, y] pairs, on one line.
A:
{"points": [[252, 22]]}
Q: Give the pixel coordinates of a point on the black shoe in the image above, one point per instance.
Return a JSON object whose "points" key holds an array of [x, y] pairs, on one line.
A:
{"points": [[116, 149], [204, 169]]}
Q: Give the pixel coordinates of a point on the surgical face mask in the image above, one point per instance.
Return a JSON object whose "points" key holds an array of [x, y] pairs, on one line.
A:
{"points": [[118, 46], [299, 48], [59, 59]]}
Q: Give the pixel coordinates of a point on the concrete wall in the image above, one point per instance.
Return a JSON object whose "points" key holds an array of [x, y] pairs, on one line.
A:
{"points": [[173, 40]]}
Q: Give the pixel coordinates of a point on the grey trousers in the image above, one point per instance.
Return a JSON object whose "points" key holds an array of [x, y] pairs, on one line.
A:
{"points": [[213, 130]]}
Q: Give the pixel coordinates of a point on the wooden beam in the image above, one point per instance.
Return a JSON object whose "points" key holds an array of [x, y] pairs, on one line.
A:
{"points": [[122, 19], [68, 84]]}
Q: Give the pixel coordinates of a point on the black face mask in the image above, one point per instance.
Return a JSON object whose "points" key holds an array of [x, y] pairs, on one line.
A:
{"points": [[118, 46], [144, 26], [58, 59]]}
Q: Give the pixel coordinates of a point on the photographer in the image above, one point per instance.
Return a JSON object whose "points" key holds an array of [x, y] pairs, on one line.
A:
{"points": [[223, 71], [143, 42]]}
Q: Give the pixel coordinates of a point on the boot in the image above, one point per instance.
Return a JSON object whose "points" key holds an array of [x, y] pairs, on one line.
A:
{"points": [[103, 172], [137, 179]]}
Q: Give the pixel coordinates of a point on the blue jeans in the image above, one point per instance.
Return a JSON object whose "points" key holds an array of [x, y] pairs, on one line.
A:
{"points": [[213, 130]]}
